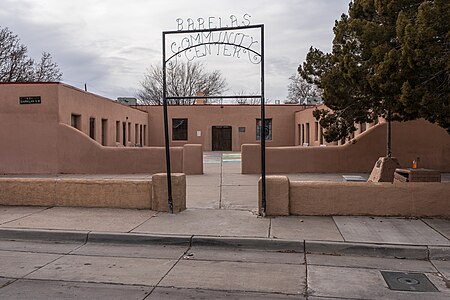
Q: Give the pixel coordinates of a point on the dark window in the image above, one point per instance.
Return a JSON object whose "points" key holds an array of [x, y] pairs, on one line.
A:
{"points": [[75, 121], [92, 128], [303, 134], [104, 132], [145, 135], [321, 135], [267, 129], [129, 132], [136, 134], [118, 131], [124, 134], [316, 131], [179, 129], [307, 130], [362, 127]]}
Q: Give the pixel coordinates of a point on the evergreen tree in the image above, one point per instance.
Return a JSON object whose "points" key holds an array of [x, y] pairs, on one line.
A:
{"points": [[390, 58]]}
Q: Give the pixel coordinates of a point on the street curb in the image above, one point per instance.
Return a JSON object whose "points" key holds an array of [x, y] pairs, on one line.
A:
{"points": [[366, 249], [136, 238], [268, 244], [249, 243], [43, 235], [439, 253]]}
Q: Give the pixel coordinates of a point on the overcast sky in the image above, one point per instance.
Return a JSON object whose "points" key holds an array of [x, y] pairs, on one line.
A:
{"points": [[109, 44]]}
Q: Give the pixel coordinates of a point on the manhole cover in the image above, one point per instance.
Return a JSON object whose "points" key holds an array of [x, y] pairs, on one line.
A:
{"points": [[411, 282]]}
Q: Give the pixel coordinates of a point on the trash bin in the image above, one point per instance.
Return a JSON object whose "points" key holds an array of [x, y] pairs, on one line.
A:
{"points": [[417, 175]]}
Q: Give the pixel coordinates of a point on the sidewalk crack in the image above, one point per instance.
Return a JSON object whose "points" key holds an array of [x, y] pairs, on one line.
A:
{"points": [[167, 273], [270, 227], [339, 230], [437, 231], [221, 181], [27, 215], [43, 266], [305, 292], [131, 230]]}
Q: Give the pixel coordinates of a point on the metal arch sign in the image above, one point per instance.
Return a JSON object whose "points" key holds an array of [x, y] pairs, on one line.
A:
{"points": [[215, 35], [220, 37]]}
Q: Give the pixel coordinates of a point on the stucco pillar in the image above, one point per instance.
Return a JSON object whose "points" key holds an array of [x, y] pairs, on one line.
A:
{"points": [[277, 195], [159, 192], [250, 159], [193, 159]]}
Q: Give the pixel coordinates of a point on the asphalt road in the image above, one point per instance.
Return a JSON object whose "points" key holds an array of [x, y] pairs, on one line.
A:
{"points": [[77, 270]]}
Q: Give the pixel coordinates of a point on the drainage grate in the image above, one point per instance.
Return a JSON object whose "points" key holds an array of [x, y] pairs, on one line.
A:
{"points": [[411, 282]]}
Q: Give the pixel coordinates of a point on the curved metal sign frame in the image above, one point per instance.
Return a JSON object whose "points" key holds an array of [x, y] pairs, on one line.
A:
{"points": [[182, 50]]}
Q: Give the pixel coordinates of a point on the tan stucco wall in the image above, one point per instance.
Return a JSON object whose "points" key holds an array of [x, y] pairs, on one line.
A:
{"points": [[74, 101], [203, 117], [306, 119], [80, 154], [28, 132], [373, 199], [76, 192], [38, 138], [410, 140], [357, 198], [119, 193]]}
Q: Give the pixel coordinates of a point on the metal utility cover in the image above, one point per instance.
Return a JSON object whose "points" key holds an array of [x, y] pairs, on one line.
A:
{"points": [[354, 178], [410, 282]]}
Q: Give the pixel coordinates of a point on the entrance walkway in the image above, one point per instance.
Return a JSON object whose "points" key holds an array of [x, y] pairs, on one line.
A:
{"points": [[224, 187]]}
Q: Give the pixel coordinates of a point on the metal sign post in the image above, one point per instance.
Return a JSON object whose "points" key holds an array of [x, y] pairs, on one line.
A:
{"points": [[166, 132], [263, 132], [198, 44]]}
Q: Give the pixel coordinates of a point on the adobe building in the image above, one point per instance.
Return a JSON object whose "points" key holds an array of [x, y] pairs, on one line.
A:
{"points": [[223, 127], [53, 128]]}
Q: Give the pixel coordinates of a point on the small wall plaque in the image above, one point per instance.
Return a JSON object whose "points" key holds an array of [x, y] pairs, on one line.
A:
{"points": [[30, 100], [241, 129]]}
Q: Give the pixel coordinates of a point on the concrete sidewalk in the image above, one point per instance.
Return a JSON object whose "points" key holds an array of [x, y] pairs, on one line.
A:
{"points": [[222, 204], [334, 235]]}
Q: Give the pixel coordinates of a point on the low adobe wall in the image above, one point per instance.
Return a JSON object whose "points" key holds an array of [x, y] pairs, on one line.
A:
{"points": [[356, 198], [410, 140], [130, 194], [81, 155], [76, 192]]}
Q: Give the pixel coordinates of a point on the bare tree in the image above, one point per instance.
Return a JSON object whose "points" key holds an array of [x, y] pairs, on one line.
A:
{"points": [[16, 66], [183, 80], [46, 69], [247, 101], [298, 89]]}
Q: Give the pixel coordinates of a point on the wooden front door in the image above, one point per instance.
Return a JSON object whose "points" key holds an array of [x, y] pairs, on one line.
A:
{"points": [[221, 138]]}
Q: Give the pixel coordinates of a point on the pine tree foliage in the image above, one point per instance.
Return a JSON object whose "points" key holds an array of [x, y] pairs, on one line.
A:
{"points": [[387, 56]]}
